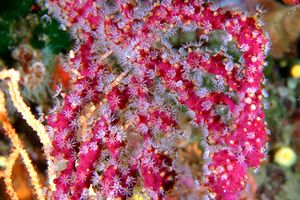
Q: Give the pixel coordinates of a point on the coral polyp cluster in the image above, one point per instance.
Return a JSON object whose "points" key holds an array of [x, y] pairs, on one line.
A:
{"points": [[118, 127]]}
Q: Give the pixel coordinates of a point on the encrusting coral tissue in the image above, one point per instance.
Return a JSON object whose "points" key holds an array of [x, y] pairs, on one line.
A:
{"points": [[117, 128]]}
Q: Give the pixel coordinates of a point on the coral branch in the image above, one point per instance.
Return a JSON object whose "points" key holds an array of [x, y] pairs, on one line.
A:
{"points": [[8, 172], [24, 110], [10, 132]]}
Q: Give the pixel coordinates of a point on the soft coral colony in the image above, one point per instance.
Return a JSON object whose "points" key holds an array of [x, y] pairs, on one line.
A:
{"points": [[117, 128]]}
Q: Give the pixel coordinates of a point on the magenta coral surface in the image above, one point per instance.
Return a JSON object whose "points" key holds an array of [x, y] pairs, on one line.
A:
{"points": [[128, 138]]}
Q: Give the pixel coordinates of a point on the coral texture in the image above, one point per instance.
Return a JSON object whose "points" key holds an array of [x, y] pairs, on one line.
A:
{"points": [[118, 126]]}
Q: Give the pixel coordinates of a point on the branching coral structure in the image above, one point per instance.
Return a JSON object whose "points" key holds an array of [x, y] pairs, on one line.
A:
{"points": [[118, 127], [223, 95], [14, 92]]}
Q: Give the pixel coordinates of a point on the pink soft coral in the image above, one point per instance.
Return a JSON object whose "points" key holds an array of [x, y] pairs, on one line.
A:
{"points": [[222, 94]]}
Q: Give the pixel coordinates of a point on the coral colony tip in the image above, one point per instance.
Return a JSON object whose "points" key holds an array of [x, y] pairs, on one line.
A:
{"points": [[117, 128]]}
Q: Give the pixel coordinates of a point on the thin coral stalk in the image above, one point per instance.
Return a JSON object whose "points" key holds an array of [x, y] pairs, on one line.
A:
{"points": [[22, 107], [7, 174], [13, 136], [24, 110]]}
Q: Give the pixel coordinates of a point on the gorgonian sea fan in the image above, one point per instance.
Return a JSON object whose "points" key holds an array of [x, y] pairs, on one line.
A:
{"points": [[118, 126]]}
